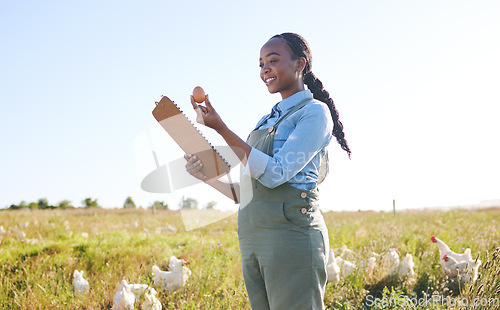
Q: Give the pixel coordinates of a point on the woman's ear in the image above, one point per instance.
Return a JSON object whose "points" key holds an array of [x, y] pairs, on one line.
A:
{"points": [[301, 64]]}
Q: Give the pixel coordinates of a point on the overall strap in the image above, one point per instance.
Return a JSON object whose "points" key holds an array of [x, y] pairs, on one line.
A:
{"points": [[292, 110], [262, 121]]}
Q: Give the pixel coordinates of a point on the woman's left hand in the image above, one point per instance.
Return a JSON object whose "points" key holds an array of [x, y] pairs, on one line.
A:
{"points": [[193, 166], [207, 115]]}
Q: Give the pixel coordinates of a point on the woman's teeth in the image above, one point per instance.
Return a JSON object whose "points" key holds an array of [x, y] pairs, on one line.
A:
{"points": [[269, 80]]}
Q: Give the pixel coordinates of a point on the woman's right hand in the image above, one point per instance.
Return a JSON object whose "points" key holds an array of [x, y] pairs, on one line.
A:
{"points": [[194, 166], [207, 115]]}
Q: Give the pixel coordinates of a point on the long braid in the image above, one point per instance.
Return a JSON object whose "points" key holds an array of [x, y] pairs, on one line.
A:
{"points": [[300, 48], [319, 93]]}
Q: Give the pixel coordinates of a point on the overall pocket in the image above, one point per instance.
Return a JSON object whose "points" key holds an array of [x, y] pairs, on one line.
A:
{"points": [[299, 215], [265, 214], [272, 215]]}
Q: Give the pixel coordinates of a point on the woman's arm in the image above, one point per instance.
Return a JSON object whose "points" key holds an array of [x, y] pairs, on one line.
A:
{"points": [[194, 165]]}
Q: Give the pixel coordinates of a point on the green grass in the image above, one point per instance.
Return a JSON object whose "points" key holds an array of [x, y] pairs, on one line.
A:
{"points": [[39, 275]]}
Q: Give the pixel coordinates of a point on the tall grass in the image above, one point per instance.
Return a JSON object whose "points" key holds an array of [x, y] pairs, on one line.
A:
{"points": [[111, 244]]}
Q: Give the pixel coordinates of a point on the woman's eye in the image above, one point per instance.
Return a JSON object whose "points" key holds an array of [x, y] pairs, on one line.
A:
{"points": [[273, 60]]}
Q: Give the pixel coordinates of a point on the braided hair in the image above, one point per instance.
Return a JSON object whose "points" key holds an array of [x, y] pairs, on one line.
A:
{"points": [[300, 48]]}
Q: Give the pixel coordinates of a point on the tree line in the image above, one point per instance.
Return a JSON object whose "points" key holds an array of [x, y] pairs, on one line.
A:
{"points": [[42, 204]]}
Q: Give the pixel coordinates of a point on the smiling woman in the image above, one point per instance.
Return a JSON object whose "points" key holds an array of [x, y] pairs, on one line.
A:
{"points": [[279, 71], [283, 237]]}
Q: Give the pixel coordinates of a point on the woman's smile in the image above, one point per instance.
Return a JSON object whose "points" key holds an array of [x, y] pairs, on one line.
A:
{"points": [[269, 80]]}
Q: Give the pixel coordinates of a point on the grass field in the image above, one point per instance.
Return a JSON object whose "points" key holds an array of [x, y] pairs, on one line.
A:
{"points": [[108, 245]]}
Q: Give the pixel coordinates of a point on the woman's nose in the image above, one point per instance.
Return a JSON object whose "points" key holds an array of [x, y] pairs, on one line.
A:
{"points": [[265, 69]]}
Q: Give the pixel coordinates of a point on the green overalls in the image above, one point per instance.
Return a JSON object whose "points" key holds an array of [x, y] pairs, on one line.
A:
{"points": [[283, 239]]}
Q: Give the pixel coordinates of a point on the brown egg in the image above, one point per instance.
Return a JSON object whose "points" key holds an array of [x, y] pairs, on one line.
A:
{"points": [[198, 94]]}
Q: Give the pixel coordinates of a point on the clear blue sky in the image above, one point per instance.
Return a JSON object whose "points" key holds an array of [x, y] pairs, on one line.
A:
{"points": [[415, 82]]}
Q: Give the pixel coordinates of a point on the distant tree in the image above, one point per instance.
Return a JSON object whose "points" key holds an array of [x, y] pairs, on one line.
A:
{"points": [[129, 203], [65, 204], [188, 203], [33, 205], [159, 205], [89, 203], [14, 207], [210, 205], [22, 205], [43, 204]]}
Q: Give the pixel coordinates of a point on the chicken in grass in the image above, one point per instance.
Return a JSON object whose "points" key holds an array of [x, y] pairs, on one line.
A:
{"points": [[124, 299], [151, 302], [391, 258], [173, 279], [405, 268], [332, 269], [445, 249], [465, 270], [80, 285], [346, 267]]}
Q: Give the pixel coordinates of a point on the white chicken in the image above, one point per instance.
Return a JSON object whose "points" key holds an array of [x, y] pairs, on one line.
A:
{"points": [[404, 268], [21, 235], [124, 299], [371, 263], [332, 269], [345, 252], [31, 241], [465, 270], [141, 289], [346, 267], [391, 258], [151, 302], [173, 279], [80, 285], [445, 249]]}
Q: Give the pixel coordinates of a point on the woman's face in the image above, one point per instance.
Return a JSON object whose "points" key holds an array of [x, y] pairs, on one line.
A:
{"points": [[278, 70]]}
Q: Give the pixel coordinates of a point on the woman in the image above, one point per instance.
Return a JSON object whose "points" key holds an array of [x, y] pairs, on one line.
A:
{"points": [[283, 237]]}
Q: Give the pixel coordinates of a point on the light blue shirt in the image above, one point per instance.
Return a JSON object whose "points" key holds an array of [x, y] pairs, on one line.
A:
{"points": [[299, 144]]}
